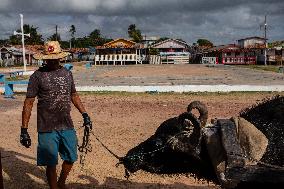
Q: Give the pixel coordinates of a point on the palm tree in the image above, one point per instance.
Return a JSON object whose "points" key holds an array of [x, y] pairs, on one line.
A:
{"points": [[72, 32]]}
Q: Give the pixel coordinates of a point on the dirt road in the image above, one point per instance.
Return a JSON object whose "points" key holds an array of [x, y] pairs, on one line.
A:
{"points": [[121, 121]]}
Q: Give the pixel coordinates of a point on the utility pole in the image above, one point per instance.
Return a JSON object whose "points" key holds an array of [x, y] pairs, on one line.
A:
{"points": [[56, 32], [23, 41], [265, 53]]}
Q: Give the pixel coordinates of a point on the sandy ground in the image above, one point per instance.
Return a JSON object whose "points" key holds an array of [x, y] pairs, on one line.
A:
{"points": [[121, 121], [188, 74]]}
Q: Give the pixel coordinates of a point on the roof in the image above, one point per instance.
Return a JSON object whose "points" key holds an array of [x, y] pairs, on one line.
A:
{"points": [[32, 48], [255, 46], [227, 48], [168, 40], [16, 51], [118, 43]]}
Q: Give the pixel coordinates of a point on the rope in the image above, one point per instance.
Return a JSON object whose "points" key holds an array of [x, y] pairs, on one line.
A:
{"points": [[86, 146], [111, 152], [86, 143], [161, 148]]}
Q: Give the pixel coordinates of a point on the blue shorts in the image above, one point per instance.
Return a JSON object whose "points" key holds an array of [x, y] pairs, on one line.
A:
{"points": [[51, 143]]}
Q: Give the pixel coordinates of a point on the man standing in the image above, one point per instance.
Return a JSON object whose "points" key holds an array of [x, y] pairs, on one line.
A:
{"points": [[54, 87]]}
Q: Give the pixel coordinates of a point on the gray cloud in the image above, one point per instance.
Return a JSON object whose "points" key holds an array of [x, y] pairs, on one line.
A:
{"points": [[221, 21]]}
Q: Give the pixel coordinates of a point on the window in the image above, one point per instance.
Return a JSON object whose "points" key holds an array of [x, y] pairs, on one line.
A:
{"points": [[228, 53]]}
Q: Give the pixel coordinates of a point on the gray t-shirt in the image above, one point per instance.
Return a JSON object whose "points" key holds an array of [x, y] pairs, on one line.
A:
{"points": [[53, 90]]}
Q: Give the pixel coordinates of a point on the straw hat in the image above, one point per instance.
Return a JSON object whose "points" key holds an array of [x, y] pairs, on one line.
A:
{"points": [[52, 50]]}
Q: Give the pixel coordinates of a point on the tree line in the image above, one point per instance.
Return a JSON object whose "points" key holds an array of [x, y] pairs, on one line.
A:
{"points": [[94, 39]]}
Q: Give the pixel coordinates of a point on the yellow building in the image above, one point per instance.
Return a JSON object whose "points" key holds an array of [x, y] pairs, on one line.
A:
{"points": [[118, 52]]}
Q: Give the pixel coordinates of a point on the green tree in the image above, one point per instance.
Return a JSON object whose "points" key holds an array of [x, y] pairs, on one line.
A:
{"points": [[83, 42], [153, 51], [53, 37], [4, 42], [64, 44], [97, 39], [134, 33], [204, 42], [72, 33], [34, 39]]}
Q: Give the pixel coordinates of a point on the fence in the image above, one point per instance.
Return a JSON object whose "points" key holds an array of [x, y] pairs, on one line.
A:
{"points": [[175, 59], [117, 59], [154, 59], [209, 60], [239, 60]]}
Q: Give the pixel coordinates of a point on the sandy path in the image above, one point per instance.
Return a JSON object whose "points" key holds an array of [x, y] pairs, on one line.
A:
{"points": [[121, 121]]}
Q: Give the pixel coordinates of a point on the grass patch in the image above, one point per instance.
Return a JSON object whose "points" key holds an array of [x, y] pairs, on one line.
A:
{"points": [[270, 68], [18, 78], [234, 93]]}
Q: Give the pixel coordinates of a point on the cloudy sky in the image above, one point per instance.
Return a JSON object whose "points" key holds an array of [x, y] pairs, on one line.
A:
{"points": [[221, 21]]}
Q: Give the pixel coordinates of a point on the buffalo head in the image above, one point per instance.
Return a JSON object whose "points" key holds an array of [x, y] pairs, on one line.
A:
{"points": [[177, 141]]}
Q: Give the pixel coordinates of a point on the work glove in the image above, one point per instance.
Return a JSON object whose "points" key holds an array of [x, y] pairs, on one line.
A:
{"points": [[25, 138], [87, 120]]}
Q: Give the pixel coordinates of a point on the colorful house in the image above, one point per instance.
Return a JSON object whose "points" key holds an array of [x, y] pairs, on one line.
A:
{"points": [[172, 51], [252, 42], [11, 56], [275, 55], [228, 54], [118, 52]]}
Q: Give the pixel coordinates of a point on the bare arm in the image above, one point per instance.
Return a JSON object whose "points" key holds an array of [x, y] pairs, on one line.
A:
{"points": [[77, 103], [27, 109]]}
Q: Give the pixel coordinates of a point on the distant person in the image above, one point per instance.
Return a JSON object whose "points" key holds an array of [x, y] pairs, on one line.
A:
{"points": [[54, 87]]}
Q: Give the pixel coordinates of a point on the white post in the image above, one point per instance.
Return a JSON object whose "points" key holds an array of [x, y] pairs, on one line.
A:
{"points": [[121, 57], [23, 41], [136, 50]]}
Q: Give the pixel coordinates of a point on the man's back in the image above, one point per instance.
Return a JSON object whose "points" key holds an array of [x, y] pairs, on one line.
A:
{"points": [[54, 90]]}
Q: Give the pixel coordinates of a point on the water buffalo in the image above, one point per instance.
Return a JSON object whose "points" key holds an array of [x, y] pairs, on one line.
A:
{"points": [[245, 149]]}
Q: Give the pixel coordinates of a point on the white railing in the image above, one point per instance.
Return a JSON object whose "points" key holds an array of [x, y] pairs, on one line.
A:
{"points": [[209, 60], [239, 60], [175, 59], [155, 59], [112, 58]]}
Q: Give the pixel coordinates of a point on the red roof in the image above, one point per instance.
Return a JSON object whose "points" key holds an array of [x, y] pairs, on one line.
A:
{"points": [[227, 48]]}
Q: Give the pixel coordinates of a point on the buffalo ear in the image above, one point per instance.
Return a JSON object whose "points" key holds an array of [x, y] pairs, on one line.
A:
{"points": [[190, 117], [202, 109]]}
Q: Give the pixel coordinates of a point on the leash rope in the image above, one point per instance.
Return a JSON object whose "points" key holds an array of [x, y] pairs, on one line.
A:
{"points": [[103, 145], [161, 148], [86, 144]]}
